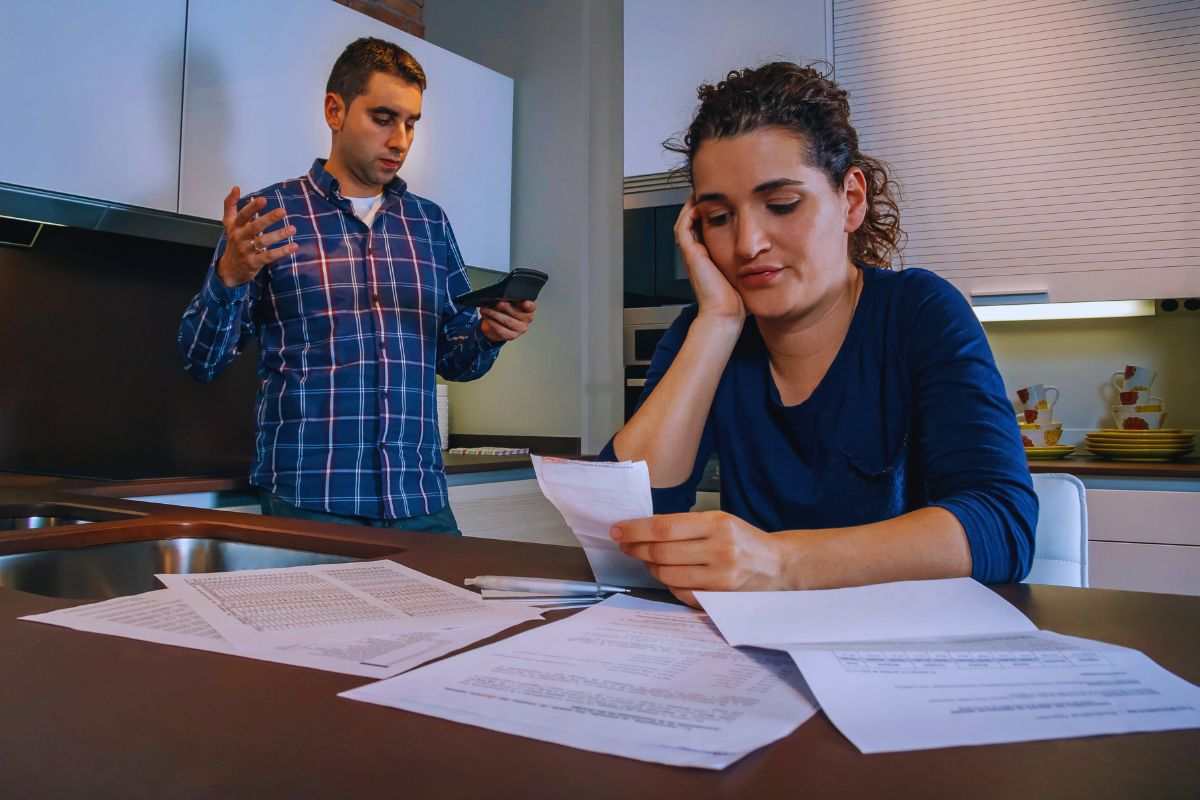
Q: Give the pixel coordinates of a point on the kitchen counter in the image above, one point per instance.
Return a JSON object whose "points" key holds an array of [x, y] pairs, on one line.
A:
{"points": [[236, 482], [100, 716], [1089, 465]]}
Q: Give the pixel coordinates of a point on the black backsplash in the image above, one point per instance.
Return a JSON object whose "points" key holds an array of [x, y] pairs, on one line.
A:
{"points": [[93, 385]]}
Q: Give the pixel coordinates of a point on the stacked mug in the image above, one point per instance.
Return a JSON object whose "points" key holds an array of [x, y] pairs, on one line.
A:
{"points": [[1038, 428], [1136, 408]]}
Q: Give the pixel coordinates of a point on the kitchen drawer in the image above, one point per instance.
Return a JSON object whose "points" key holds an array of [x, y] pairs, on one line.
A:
{"points": [[1167, 568], [1116, 515]]}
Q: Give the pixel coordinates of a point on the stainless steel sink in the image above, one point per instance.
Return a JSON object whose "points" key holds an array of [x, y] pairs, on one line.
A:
{"points": [[33, 516], [114, 570]]}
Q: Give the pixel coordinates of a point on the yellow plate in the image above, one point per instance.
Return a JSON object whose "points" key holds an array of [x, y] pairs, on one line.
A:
{"points": [[1161, 459], [1058, 451], [1184, 441], [1135, 431], [1140, 452]]}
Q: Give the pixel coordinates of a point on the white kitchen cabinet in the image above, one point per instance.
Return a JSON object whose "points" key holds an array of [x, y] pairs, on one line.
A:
{"points": [[515, 511], [253, 96], [672, 46], [93, 93], [1145, 541]]}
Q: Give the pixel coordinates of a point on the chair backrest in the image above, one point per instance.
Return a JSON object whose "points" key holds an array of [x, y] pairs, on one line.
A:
{"points": [[1061, 542]]}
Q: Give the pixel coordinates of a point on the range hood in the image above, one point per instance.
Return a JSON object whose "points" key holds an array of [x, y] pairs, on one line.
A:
{"points": [[53, 208]]}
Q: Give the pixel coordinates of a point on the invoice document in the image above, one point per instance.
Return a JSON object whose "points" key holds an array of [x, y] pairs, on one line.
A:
{"points": [[592, 496], [301, 605], [629, 677], [913, 694], [900, 610], [919, 664], [161, 616]]}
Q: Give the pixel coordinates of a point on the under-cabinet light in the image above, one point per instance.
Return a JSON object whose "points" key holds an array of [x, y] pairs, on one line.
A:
{"points": [[1023, 312]]}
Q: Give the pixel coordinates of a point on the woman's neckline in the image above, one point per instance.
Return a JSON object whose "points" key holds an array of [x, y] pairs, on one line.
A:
{"points": [[852, 332]]}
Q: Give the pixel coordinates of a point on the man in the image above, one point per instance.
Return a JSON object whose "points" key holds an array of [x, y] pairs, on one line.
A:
{"points": [[349, 281]]}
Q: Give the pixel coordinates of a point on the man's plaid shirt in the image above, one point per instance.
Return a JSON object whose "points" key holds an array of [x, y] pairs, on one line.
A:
{"points": [[352, 328]]}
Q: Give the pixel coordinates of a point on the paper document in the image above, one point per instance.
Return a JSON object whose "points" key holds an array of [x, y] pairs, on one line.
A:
{"points": [[911, 695], [300, 605], [629, 677], [592, 496], [900, 610], [162, 616]]}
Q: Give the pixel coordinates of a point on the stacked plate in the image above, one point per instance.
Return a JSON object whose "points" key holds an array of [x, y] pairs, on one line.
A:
{"points": [[1163, 444], [1051, 451]]}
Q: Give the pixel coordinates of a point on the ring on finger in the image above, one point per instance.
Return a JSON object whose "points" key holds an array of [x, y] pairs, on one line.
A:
{"points": [[259, 247]]}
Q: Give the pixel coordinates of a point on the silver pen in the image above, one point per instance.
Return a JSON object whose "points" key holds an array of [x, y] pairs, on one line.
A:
{"points": [[549, 586]]}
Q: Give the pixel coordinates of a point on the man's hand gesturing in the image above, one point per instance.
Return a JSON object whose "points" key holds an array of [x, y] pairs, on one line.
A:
{"points": [[247, 248]]}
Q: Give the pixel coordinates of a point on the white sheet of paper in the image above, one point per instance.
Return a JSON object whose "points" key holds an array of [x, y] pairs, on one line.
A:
{"points": [[629, 677], [914, 695], [163, 617], [592, 496], [301, 605], [886, 611]]}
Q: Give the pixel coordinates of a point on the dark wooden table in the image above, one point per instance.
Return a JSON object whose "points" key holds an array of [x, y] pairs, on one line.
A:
{"points": [[96, 716]]}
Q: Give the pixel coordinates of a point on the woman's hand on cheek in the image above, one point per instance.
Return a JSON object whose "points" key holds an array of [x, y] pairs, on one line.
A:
{"points": [[709, 550]]}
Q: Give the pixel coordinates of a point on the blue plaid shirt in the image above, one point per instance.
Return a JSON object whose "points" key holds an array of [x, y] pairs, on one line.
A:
{"points": [[351, 329]]}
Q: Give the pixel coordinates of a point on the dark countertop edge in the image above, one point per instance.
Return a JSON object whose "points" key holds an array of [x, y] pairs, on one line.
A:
{"points": [[1086, 465], [185, 484]]}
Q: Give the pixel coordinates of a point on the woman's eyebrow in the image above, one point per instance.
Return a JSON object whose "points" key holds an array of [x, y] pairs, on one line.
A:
{"points": [[769, 186], [778, 183]]}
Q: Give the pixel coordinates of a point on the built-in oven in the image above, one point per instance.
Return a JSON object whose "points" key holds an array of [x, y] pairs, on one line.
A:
{"points": [[644, 327]]}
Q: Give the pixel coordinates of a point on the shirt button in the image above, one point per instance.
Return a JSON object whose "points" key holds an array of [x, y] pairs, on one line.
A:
{"points": [[375, 298]]}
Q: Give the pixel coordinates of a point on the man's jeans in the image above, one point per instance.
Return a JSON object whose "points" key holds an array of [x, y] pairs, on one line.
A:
{"points": [[438, 522]]}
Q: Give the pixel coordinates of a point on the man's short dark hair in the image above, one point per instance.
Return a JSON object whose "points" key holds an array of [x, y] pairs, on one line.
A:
{"points": [[363, 57]]}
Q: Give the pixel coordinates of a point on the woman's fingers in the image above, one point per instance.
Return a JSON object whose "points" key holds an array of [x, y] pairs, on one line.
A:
{"points": [[672, 553]]}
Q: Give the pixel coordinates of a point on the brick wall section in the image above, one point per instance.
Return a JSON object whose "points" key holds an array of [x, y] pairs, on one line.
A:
{"points": [[407, 15]]}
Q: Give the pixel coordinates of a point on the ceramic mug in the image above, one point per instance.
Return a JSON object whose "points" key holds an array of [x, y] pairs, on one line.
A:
{"points": [[1141, 400], [1037, 396], [1133, 378], [1128, 418], [1042, 415], [1041, 435]]}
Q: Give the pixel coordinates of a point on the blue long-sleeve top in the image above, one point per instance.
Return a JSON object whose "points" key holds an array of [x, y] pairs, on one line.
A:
{"points": [[912, 413]]}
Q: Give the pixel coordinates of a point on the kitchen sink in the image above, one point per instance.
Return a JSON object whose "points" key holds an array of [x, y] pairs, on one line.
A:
{"points": [[114, 570], [32, 516]]}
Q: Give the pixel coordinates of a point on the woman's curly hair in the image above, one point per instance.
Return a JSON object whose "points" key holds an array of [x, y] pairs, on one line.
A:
{"points": [[809, 104]]}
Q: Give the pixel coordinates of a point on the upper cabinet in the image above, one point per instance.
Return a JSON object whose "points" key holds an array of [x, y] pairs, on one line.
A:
{"points": [[672, 46], [93, 92], [254, 89]]}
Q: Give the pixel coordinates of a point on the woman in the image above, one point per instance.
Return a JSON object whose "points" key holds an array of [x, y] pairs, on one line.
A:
{"points": [[863, 431]]}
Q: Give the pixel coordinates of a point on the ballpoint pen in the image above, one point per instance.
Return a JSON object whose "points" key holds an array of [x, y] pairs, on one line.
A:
{"points": [[549, 586]]}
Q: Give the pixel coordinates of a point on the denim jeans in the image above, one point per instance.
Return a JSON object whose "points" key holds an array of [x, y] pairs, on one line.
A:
{"points": [[442, 522]]}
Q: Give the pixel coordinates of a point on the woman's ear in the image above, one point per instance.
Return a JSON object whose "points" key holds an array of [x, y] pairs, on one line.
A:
{"points": [[854, 188]]}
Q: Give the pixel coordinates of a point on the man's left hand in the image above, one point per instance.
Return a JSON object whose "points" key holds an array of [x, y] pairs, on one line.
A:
{"points": [[504, 321]]}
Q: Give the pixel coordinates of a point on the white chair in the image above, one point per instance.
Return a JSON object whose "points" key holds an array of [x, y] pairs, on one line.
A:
{"points": [[1061, 542]]}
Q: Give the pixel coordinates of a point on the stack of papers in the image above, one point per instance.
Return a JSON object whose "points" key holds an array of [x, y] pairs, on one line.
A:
{"points": [[593, 496], [629, 677], [921, 664], [374, 618]]}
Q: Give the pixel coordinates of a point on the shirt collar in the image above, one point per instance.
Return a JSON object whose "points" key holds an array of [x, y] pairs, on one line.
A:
{"points": [[329, 187]]}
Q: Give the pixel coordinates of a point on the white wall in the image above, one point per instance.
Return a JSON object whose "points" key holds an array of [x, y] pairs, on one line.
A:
{"points": [[1079, 356], [672, 46], [564, 377]]}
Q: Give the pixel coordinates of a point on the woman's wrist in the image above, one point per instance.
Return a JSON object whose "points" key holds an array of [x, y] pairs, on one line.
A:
{"points": [[719, 327]]}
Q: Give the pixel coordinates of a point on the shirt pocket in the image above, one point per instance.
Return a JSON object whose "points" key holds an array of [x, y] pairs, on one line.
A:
{"points": [[875, 481]]}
